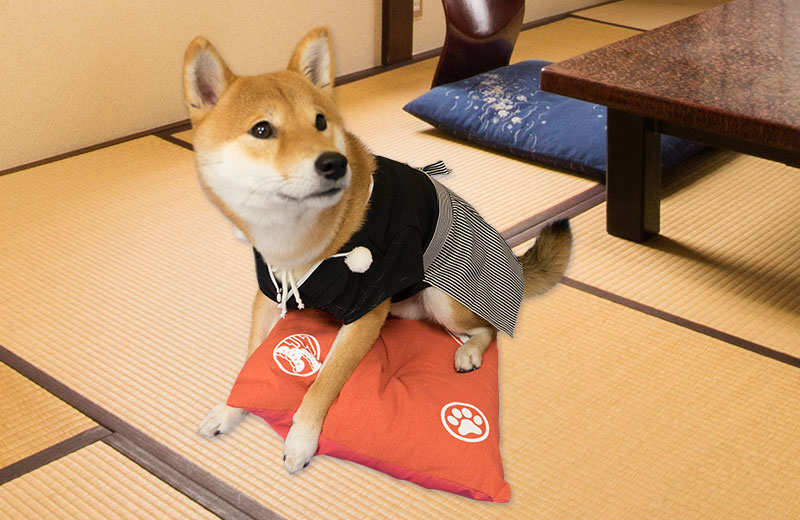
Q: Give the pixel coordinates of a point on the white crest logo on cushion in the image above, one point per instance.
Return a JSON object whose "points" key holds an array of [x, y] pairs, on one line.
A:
{"points": [[298, 355], [465, 422]]}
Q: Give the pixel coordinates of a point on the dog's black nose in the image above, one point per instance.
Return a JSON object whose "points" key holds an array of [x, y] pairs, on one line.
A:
{"points": [[331, 165]]}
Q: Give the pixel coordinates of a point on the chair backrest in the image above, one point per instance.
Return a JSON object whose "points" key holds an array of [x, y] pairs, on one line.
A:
{"points": [[480, 36]]}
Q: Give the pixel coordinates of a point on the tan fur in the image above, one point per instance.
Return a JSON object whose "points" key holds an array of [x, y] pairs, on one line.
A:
{"points": [[264, 316], [269, 190], [197, 106], [302, 59], [289, 97], [544, 263], [351, 345]]}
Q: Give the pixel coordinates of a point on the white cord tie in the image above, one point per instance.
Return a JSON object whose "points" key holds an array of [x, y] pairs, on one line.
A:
{"points": [[358, 261], [282, 295]]}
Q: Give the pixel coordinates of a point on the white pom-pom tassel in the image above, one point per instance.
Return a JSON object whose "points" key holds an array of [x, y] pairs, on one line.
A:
{"points": [[359, 259]]}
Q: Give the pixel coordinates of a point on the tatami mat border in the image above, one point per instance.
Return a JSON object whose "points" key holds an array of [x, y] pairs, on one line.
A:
{"points": [[169, 466], [571, 207], [677, 320], [181, 482], [54, 452], [621, 26], [170, 137], [165, 129]]}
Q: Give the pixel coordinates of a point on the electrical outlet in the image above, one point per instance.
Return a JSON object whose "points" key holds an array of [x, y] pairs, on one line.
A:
{"points": [[417, 9]]}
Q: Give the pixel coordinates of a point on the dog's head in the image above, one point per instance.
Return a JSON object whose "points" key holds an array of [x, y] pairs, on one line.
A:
{"points": [[269, 143]]}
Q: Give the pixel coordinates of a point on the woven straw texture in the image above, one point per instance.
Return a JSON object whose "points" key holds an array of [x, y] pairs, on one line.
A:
{"points": [[727, 255], [33, 419], [122, 282], [647, 14], [98, 483]]}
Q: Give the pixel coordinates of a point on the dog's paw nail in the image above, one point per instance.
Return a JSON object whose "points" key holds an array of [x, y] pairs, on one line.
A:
{"points": [[220, 419], [467, 358], [299, 448], [306, 464]]}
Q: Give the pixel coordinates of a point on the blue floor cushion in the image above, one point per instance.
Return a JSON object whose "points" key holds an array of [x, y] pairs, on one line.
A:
{"points": [[504, 109]]}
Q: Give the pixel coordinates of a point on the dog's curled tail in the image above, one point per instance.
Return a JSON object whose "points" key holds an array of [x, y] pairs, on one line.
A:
{"points": [[545, 262]]}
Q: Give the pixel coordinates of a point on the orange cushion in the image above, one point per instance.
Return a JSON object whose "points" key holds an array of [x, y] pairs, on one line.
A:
{"points": [[405, 411]]}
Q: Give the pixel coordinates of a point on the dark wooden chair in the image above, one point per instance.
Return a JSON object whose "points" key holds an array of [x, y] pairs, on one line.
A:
{"points": [[480, 36]]}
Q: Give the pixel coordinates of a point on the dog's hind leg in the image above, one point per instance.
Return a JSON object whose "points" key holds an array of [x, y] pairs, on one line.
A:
{"points": [[223, 418], [468, 356], [456, 318]]}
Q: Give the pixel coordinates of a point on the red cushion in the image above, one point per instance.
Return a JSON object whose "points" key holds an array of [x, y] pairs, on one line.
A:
{"points": [[405, 411]]}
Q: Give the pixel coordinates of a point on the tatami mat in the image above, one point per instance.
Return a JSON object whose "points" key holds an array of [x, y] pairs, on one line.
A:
{"points": [[610, 413], [185, 135], [33, 419], [566, 38], [98, 251], [647, 14], [123, 283], [606, 412], [727, 256], [94, 483]]}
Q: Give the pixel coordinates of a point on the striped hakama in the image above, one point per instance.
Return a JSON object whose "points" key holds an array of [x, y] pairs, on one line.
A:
{"points": [[469, 260]]}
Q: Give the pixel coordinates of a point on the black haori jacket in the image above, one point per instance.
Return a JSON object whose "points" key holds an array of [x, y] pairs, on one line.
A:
{"points": [[416, 234]]}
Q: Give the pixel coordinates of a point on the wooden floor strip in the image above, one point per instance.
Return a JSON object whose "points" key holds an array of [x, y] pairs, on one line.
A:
{"points": [[51, 453], [571, 207], [173, 136], [179, 481], [33, 419]]}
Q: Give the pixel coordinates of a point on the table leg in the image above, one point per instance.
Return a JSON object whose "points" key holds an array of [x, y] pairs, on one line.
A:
{"points": [[633, 177]]}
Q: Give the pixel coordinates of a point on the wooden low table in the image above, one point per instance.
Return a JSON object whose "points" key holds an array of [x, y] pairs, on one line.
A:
{"points": [[728, 77]]}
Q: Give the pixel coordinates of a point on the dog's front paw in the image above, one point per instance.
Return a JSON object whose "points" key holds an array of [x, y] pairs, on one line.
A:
{"points": [[300, 445], [220, 419], [468, 357]]}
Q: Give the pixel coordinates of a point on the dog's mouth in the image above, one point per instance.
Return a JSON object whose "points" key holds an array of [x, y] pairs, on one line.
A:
{"points": [[317, 195], [325, 193]]}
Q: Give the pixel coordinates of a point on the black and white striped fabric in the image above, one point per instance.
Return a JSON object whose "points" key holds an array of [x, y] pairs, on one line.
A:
{"points": [[469, 260], [437, 168]]}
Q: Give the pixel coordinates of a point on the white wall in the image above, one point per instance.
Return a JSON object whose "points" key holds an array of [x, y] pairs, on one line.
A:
{"points": [[75, 73]]}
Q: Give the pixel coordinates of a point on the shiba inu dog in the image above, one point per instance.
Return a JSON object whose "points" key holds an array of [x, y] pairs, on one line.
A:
{"points": [[336, 228]]}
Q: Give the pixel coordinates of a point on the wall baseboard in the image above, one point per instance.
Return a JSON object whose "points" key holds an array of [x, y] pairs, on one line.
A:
{"points": [[171, 128]]}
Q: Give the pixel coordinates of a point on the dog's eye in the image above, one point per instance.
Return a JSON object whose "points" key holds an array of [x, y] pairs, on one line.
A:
{"points": [[321, 123], [262, 130]]}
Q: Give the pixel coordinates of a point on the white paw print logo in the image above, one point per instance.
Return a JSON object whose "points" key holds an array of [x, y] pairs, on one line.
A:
{"points": [[465, 422], [298, 355]]}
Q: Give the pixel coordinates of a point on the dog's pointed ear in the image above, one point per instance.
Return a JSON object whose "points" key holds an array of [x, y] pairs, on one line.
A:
{"points": [[205, 78], [313, 58]]}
